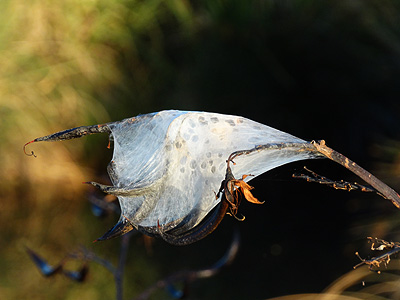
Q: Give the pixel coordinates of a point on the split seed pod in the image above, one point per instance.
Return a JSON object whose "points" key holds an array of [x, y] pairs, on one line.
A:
{"points": [[168, 167]]}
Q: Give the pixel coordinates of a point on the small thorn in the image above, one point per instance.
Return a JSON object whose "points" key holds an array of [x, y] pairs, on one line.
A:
{"points": [[32, 153]]}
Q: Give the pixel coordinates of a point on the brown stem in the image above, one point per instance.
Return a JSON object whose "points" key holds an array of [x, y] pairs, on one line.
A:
{"points": [[339, 158], [69, 134]]}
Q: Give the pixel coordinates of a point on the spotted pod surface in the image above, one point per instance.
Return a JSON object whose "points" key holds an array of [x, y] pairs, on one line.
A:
{"points": [[171, 163]]}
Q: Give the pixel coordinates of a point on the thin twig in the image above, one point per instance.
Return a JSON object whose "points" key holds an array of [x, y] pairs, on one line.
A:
{"points": [[376, 261], [119, 272], [339, 185], [384, 258], [339, 158], [192, 275], [85, 254], [321, 149]]}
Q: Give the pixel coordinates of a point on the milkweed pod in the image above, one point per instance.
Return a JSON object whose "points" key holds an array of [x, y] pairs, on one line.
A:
{"points": [[168, 166]]}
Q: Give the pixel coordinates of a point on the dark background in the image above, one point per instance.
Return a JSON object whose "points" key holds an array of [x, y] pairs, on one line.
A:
{"points": [[316, 69]]}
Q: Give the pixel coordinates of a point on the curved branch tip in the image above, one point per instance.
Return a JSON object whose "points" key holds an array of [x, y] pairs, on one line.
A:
{"points": [[32, 153]]}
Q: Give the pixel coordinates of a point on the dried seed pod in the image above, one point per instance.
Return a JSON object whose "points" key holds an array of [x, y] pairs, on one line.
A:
{"points": [[168, 166]]}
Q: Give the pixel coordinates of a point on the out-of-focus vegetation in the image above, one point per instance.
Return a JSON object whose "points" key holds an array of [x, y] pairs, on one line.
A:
{"points": [[316, 69]]}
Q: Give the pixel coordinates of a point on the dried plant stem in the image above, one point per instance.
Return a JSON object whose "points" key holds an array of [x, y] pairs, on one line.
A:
{"points": [[339, 185], [389, 248], [339, 158], [191, 275], [119, 271], [321, 149]]}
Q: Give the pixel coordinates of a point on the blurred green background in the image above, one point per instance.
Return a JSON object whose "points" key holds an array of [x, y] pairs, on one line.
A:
{"points": [[316, 69]]}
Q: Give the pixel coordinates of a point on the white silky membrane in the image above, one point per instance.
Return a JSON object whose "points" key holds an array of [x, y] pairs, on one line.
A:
{"points": [[176, 161]]}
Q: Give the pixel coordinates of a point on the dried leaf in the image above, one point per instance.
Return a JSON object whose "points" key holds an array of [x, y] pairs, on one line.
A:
{"points": [[245, 190]]}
